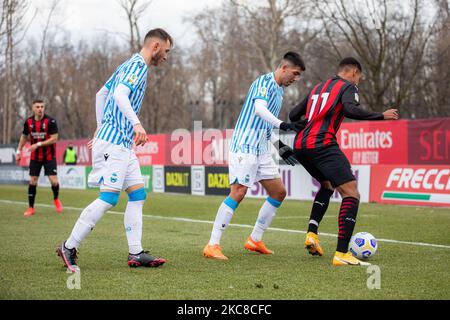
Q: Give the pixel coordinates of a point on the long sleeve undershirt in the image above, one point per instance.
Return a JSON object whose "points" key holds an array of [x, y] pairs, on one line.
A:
{"points": [[123, 102], [264, 113]]}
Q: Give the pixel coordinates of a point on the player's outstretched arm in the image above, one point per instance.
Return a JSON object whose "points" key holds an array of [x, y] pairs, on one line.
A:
{"points": [[353, 110], [264, 113], [391, 114]]}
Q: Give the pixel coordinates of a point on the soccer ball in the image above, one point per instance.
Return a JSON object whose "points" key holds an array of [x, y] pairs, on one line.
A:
{"points": [[363, 245]]}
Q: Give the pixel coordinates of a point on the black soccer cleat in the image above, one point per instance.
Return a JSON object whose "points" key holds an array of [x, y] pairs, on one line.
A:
{"points": [[144, 259], [69, 257]]}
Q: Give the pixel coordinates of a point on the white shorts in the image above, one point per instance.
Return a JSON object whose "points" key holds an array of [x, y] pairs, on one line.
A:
{"points": [[114, 167], [247, 168]]}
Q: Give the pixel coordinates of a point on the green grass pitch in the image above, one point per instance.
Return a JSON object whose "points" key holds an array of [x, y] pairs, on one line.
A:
{"points": [[30, 269]]}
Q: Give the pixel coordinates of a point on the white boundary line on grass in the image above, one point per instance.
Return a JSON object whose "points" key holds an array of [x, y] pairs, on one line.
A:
{"points": [[422, 244], [328, 216]]}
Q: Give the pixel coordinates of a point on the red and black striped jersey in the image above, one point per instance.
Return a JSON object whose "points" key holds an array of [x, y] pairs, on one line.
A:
{"points": [[325, 108], [40, 131]]}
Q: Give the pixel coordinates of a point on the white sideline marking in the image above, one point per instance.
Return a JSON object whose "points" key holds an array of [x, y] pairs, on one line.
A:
{"points": [[328, 216], [422, 244]]}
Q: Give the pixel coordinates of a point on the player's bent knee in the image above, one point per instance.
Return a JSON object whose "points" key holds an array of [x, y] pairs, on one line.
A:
{"points": [[353, 192], [278, 195], [349, 190], [110, 197], [238, 193], [327, 185], [281, 194], [137, 195]]}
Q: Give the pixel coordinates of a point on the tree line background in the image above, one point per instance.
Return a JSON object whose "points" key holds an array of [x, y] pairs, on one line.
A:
{"points": [[402, 44]]}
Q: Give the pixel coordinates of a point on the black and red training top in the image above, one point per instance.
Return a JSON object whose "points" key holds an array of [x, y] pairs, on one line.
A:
{"points": [[40, 131]]}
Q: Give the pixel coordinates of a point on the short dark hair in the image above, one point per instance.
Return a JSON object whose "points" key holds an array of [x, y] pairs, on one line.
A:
{"points": [[350, 62], [38, 101], [160, 34], [295, 59]]}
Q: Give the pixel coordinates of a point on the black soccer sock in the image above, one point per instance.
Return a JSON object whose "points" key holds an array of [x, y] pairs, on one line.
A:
{"points": [[319, 208], [55, 190], [347, 221], [31, 195]]}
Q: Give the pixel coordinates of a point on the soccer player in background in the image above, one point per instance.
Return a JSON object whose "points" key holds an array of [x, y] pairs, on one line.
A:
{"points": [[42, 131], [250, 159], [317, 150], [115, 165]]}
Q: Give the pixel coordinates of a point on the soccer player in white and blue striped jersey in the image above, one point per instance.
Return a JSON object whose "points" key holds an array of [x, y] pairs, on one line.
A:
{"points": [[115, 165], [250, 159]]}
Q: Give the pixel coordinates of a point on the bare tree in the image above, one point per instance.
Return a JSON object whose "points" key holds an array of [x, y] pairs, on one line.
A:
{"points": [[134, 10], [13, 17], [42, 84], [268, 23], [405, 52], [431, 88], [389, 38], [238, 42]]}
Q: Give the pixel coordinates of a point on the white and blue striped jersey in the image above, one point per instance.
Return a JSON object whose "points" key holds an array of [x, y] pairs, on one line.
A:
{"points": [[116, 128], [252, 134]]}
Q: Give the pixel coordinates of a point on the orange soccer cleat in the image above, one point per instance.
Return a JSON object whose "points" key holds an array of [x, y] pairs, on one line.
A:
{"points": [[29, 212], [214, 252], [347, 259], [58, 205], [312, 244], [259, 246]]}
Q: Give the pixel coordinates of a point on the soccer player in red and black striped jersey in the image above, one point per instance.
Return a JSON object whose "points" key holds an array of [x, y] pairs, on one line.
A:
{"points": [[317, 150], [42, 131]]}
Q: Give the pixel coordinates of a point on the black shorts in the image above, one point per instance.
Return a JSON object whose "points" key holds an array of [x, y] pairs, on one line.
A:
{"points": [[326, 164], [49, 167]]}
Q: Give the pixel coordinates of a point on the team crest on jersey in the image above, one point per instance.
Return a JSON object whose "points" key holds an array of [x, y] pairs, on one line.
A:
{"points": [[132, 79], [263, 92]]}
